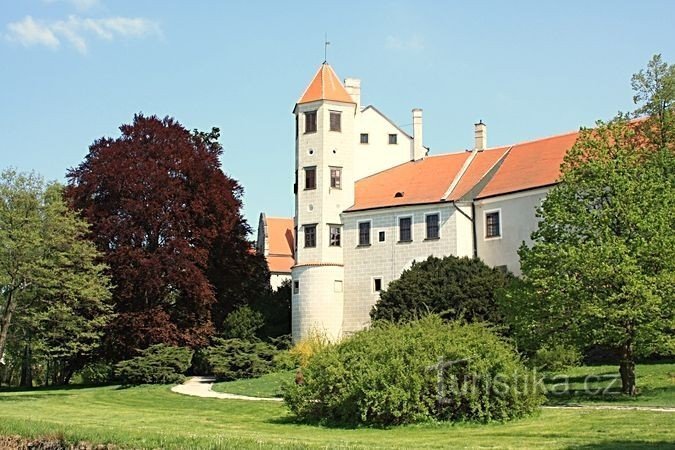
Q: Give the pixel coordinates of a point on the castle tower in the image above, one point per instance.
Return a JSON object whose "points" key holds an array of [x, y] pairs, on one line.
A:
{"points": [[324, 187]]}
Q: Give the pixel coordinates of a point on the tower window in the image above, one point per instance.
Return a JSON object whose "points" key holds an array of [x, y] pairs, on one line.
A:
{"points": [[310, 122], [335, 121], [433, 226], [310, 235], [377, 284], [336, 177], [364, 138], [310, 178], [493, 228], [296, 287], [364, 233], [382, 236], [335, 232], [393, 139], [405, 229]]}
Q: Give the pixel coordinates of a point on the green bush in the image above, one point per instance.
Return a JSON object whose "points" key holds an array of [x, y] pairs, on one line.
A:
{"points": [[158, 364], [232, 359], [555, 358], [243, 323], [97, 373], [419, 371]]}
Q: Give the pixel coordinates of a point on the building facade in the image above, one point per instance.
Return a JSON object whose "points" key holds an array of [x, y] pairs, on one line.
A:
{"points": [[369, 201]]}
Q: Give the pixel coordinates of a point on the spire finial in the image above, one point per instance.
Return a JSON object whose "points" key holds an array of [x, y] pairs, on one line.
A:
{"points": [[325, 48]]}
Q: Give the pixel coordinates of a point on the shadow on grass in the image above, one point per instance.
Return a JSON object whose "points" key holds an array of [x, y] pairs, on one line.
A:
{"points": [[624, 445], [64, 388], [612, 396]]}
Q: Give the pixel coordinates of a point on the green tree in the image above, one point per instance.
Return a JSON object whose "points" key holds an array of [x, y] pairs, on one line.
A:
{"points": [[455, 288], [601, 269], [49, 277]]}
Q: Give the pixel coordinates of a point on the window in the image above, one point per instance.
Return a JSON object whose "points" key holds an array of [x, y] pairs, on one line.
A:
{"points": [[310, 235], [493, 226], [405, 229], [296, 287], [310, 122], [336, 177], [393, 138], [364, 138], [377, 284], [381, 236], [335, 231], [310, 178], [432, 221], [364, 233], [335, 124]]}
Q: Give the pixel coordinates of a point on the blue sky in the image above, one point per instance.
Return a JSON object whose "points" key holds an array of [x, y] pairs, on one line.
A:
{"points": [[74, 70]]}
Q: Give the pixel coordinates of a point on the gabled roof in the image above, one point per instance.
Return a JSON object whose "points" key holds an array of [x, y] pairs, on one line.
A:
{"points": [[414, 182], [530, 165], [280, 244], [325, 86]]}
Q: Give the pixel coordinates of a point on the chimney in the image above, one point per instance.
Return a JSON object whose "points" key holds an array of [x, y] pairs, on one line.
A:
{"points": [[353, 88], [418, 150], [480, 136]]}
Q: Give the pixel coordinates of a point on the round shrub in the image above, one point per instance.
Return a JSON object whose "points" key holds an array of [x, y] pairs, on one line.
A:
{"points": [[233, 359], [557, 357], [423, 370], [157, 364]]}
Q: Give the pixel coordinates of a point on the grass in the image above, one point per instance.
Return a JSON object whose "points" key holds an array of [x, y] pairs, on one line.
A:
{"points": [[266, 386], [602, 385], [154, 417]]}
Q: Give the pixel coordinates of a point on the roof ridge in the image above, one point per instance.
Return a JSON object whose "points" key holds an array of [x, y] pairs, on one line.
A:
{"points": [[460, 174]]}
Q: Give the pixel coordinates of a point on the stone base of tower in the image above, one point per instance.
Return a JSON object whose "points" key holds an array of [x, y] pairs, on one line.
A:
{"points": [[318, 299]]}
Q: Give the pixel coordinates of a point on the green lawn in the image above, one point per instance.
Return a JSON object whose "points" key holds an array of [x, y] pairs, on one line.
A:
{"points": [[154, 417], [266, 386], [602, 385]]}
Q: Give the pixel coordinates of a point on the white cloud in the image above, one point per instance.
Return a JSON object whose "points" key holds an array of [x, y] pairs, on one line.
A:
{"points": [[77, 30], [412, 43]]}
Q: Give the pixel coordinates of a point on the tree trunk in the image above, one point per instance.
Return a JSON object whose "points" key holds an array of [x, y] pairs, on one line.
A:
{"points": [[6, 319], [627, 371], [27, 368]]}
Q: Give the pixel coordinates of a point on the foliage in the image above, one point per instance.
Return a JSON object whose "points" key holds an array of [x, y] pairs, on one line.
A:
{"points": [[314, 342], [423, 370], [169, 223], [243, 323], [157, 364], [54, 292], [455, 288], [232, 359], [97, 373], [275, 306], [601, 270], [556, 357]]}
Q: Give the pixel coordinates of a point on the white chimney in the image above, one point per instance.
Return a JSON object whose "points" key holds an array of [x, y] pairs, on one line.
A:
{"points": [[418, 150], [480, 136], [353, 88]]}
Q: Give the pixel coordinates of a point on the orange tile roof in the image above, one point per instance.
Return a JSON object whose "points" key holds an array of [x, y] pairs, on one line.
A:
{"points": [[479, 167], [422, 181], [325, 86], [280, 244], [530, 165]]}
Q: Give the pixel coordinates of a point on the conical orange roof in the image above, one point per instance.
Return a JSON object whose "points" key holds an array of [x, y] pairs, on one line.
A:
{"points": [[325, 86]]}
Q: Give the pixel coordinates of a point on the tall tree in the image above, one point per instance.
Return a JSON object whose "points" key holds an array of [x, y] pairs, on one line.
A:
{"points": [[168, 221], [601, 269], [46, 265]]}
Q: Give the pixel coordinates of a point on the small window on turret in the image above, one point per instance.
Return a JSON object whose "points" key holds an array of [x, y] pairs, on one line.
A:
{"points": [[310, 122], [336, 177], [364, 138], [310, 178], [393, 139], [335, 121]]}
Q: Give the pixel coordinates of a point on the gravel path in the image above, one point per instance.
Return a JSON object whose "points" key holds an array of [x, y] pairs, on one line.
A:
{"points": [[202, 387]]}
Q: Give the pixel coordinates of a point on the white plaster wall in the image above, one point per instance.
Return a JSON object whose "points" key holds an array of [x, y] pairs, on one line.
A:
{"points": [[518, 221], [378, 155], [388, 259], [317, 305]]}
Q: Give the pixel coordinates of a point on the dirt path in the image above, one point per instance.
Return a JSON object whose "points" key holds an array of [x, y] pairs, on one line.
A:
{"points": [[202, 387]]}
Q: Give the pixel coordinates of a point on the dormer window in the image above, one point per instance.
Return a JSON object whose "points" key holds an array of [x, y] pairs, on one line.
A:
{"points": [[364, 138], [398, 195], [310, 122], [393, 139], [335, 121]]}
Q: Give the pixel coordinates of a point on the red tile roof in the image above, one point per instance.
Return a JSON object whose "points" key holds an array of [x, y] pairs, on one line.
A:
{"points": [[325, 86], [280, 244], [530, 165], [479, 167]]}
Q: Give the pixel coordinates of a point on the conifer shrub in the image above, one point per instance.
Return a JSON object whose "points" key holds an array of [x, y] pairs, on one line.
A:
{"points": [[232, 359], [424, 370], [157, 364]]}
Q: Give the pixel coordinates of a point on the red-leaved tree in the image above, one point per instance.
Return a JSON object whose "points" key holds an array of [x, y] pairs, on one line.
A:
{"points": [[169, 223]]}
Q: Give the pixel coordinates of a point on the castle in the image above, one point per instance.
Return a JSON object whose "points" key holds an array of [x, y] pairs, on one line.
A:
{"points": [[369, 201]]}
